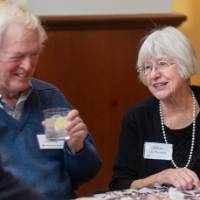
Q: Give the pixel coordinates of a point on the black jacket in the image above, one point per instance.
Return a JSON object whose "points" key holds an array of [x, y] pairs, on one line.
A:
{"points": [[142, 124]]}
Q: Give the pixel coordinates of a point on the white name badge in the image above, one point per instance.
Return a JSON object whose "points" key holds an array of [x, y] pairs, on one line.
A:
{"points": [[44, 143], [157, 151]]}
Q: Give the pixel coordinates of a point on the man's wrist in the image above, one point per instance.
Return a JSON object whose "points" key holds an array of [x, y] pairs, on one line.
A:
{"points": [[75, 150]]}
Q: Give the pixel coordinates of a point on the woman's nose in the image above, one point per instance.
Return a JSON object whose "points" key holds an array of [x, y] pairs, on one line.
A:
{"points": [[154, 72]]}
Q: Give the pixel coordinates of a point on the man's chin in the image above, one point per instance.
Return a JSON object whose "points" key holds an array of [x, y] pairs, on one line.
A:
{"points": [[19, 89]]}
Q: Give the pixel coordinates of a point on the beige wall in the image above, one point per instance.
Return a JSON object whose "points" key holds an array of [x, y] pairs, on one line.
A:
{"points": [[88, 7], [191, 8]]}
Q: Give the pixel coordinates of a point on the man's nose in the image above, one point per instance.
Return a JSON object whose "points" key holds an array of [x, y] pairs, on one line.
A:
{"points": [[27, 63]]}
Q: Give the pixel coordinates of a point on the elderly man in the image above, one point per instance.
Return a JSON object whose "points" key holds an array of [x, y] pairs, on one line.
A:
{"points": [[51, 169]]}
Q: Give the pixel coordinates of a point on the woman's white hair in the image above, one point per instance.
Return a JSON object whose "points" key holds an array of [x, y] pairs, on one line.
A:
{"points": [[171, 43], [15, 11]]}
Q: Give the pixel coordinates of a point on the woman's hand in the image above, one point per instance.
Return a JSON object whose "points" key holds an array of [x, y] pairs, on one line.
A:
{"points": [[181, 178]]}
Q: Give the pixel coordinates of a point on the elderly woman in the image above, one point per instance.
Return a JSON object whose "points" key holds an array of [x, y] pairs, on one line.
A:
{"points": [[160, 137]]}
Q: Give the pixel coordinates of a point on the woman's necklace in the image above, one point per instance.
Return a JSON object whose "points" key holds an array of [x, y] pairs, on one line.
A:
{"points": [[193, 131]]}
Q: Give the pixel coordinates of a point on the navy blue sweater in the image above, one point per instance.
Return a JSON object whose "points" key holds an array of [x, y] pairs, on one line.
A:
{"points": [[52, 172]]}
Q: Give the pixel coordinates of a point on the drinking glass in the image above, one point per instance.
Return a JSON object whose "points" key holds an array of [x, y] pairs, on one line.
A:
{"points": [[55, 123]]}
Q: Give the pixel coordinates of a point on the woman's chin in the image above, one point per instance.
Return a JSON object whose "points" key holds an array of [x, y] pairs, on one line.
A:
{"points": [[160, 95]]}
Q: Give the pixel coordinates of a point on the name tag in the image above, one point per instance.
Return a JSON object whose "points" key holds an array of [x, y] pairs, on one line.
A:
{"points": [[157, 151], [44, 143]]}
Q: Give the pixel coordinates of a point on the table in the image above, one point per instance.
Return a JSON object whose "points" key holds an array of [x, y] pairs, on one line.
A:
{"points": [[163, 192]]}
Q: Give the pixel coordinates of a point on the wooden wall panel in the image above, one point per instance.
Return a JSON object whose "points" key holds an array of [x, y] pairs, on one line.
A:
{"points": [[92, 60]]}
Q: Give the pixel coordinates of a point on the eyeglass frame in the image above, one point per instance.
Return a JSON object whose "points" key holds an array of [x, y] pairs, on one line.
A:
{"points": [[159, 65]]}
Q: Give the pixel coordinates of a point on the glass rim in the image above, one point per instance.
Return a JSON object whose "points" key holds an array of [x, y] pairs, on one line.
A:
{"points": [[56, 109]]}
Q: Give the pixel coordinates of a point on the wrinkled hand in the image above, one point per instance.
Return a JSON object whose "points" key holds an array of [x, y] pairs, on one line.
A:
{"points": [[77, 131], [181, 178]]}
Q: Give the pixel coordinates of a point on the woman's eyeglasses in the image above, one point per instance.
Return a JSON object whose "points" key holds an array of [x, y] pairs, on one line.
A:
{"points": [[159, 65]]}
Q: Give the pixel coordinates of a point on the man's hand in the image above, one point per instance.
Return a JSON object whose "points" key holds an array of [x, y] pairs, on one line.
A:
{"points": [[77, 131]]}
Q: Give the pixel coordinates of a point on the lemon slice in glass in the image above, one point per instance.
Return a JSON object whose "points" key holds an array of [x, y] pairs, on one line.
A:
{"points": [[59, 124]]}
